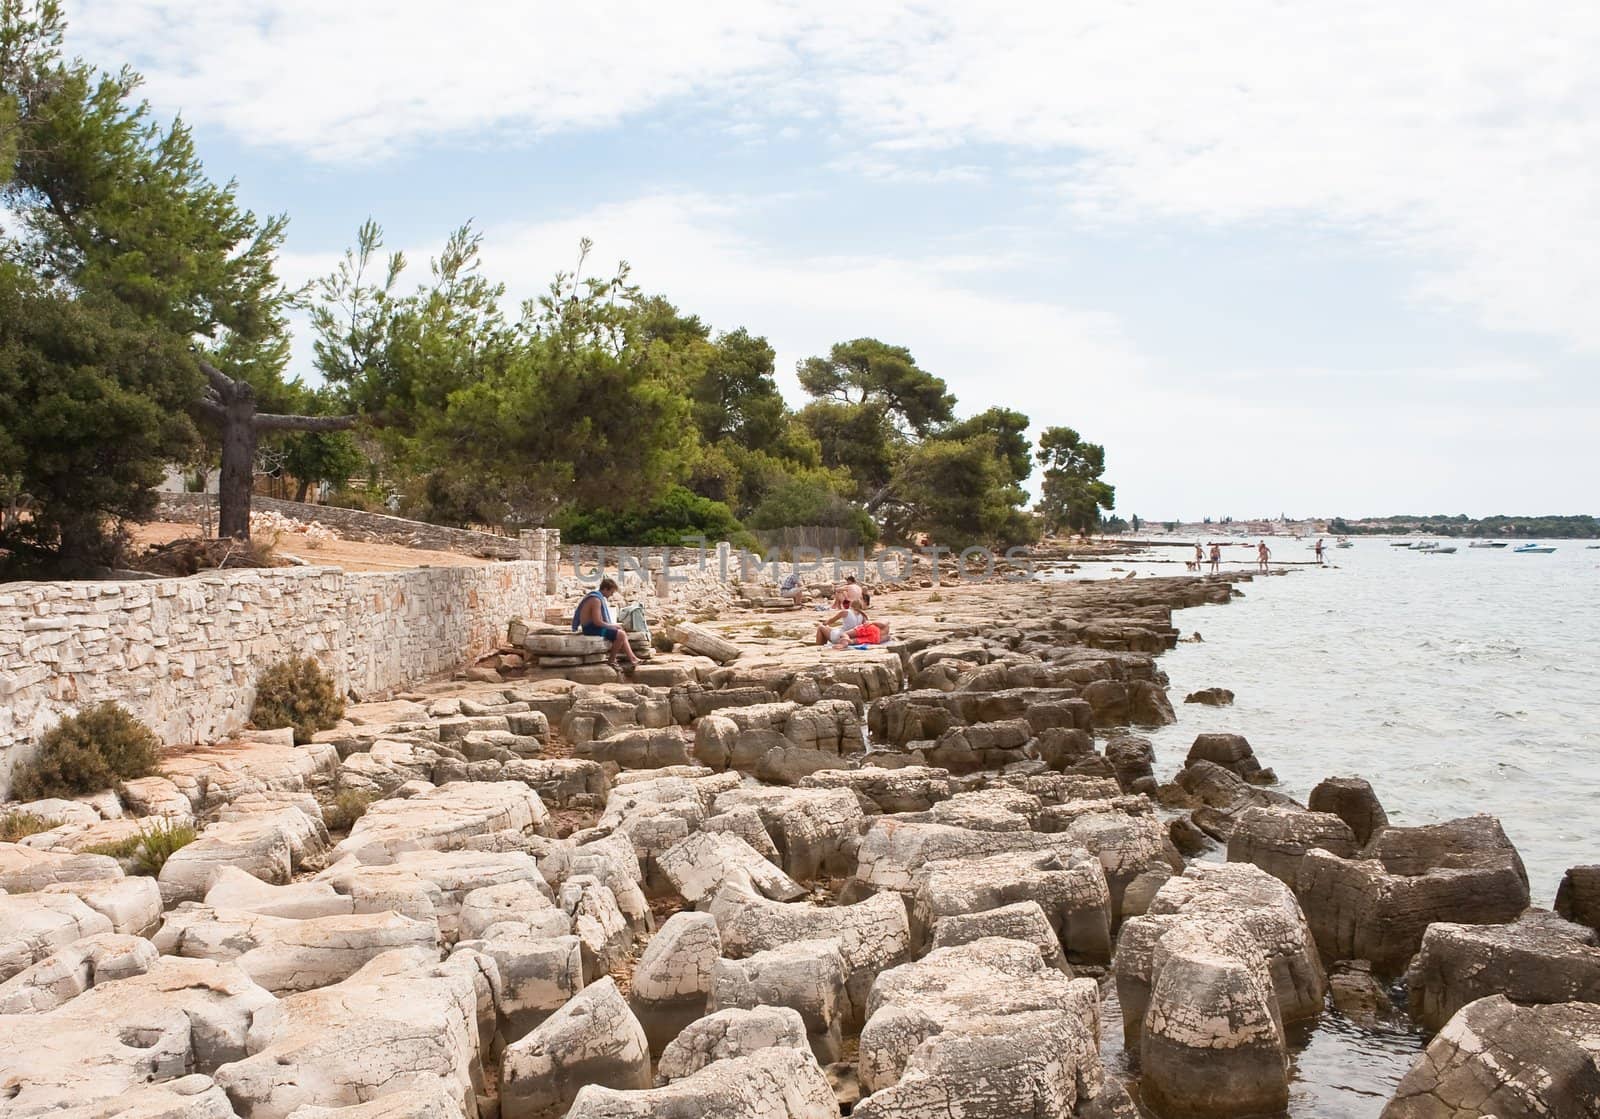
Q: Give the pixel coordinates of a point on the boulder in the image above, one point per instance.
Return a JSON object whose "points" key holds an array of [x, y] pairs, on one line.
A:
{"points": [[1212, 1042], [1540, 958], [188, 1097], [268, 846], [1353, 801], [955, 991], [443, 819], [817, 831], [728, 1034], [1211, 697], [539, 970], [1512, 1062], [1276, 839], [403, 1022], [698, 865], [34, 926], [67, 973], [132, 905], [521, 901], [594, 1039], [1068, 884], [23, 869], [1022, 920], [637, 748], [1377, 907], [286, 955], [178, 1017], [807, 976], [914, 788], [1578, 896], [1132, 759], [672, 979], [233, 889], [1231, 751], [773, 1083], [703, 642], [599, 925], [430, 1102], [871, 935]]}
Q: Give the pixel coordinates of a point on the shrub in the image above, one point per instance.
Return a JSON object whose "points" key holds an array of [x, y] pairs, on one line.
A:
{"points": [[120, 849], [678, 515], [348, 807], [86, 753], [154, 847], [296, 693], [19, 825]]}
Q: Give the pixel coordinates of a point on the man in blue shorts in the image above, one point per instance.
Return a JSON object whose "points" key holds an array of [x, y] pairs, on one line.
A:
{"points": [[593, 617]]}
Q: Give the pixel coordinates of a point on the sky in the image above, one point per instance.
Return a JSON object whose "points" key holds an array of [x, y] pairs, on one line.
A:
{"points": [[1277, 256]]}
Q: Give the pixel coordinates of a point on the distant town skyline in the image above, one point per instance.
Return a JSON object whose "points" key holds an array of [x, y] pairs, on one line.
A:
{"points": [[1275, 257]]}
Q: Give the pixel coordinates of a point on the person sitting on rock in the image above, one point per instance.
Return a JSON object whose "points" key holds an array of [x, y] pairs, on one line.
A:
{"points": [[792, 588], [837, 629], [593, 617], [848, 595]]}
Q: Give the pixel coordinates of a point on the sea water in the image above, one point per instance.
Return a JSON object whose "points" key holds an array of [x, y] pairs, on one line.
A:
{"points": [[1456, 684]]}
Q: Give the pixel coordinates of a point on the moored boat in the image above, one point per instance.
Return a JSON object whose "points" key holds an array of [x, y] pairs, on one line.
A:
{"points": [[1533, 549]]}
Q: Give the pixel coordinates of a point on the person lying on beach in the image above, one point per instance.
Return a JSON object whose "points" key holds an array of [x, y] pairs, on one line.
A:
{"points": [[837, 629], [593, 617]]}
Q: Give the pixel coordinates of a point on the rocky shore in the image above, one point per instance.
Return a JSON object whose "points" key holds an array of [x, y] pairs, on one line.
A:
{"points": [[781, 882]]}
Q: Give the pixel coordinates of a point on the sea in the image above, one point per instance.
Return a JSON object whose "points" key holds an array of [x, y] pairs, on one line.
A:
{"points": [[1455, 683]]}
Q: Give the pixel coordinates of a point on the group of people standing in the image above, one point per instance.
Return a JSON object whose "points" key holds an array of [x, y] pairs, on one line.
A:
{"points": [[1214, 557]]}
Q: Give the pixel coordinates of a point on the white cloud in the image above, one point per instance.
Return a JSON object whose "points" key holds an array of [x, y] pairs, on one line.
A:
{"points": [[1467, 134]]}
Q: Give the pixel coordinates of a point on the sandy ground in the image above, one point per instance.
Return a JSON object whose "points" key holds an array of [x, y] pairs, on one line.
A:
{"points": [[352, 555]]}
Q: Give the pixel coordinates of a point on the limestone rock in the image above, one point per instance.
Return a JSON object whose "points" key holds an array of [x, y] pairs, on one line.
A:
{"points": [[1540, 958], [673, 977], [1230, 751], [808, 976], [538, 972], [731, 1033], [594, 1039], [33, 926], [774, 1083], [1377, 907], [444, 818], [521, 901], [1512, 1062], [132, 905], [178, 1017], [1276, 839], [1578, 897], [871, 935], [23, 869], [1353, 801], [914, 788], [698, 865], [404, 1021], [1022, 920], [1211, 697], [67, 973], [598, 924]]}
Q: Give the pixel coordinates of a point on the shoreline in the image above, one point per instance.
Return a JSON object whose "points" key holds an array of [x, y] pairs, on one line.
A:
{"points": [[963, 824]]}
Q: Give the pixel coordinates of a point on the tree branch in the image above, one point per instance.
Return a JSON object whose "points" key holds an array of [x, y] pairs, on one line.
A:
{"points": [[267, 421], [210, 409], [220, 381]]}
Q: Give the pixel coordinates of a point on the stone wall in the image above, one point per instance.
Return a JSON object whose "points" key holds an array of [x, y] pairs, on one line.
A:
{"points": [[183, 654], [352, 524]]}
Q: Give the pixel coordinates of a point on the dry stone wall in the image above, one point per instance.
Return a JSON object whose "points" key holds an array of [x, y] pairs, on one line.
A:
{"points": [[183, 654]]}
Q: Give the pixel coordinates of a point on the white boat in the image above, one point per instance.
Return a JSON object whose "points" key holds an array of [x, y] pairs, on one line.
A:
{"points": [[1428, 546], [1533, 549], [1436, 550], [1487, 544]]}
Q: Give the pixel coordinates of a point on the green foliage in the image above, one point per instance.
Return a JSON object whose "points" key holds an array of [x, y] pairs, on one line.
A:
{"points": [[679, 515], [348, 807], [297, 693], [15, 825], [959, 492], [159, 843], [1073, 493], [808, 500], [86, 753], [117, 849], [1543, 527], [89, 412], [118, 254], [870, 373]]}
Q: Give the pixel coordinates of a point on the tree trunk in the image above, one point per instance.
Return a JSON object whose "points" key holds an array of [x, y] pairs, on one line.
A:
{"points": [[238, 468], [301, 490], [231, 405]]}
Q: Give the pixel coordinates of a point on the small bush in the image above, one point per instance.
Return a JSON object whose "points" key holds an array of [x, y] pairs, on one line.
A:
{"points": [[121, 849], [19, 825], [296, 693], [87, 753], [154, 847], [348, 807]]}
